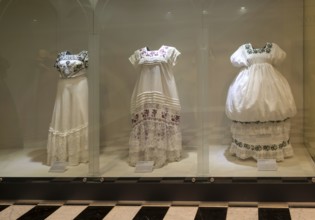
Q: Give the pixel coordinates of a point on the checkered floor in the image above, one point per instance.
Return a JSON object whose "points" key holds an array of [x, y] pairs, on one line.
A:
{"points": [[155, 210]]}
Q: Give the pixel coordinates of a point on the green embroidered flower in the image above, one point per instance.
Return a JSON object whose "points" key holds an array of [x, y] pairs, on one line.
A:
{"points": [[266, 147], [274, 147]]}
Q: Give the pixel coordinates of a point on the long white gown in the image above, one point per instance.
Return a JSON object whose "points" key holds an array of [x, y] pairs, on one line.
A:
{"points": [[260, 104], [68, 131], [155, 108]]}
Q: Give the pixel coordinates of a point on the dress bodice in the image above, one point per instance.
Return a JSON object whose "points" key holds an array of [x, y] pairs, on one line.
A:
{"points": [[247, 55], [164, 55], [71, 65], [259, 92]]}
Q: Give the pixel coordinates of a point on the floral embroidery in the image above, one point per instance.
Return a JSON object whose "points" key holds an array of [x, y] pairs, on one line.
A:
{"points": [[69, 69], [251, 50], [272, 147], [144, 52], [155, 113]]}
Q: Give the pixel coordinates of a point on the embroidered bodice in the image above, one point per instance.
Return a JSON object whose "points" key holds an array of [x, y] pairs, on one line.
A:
{"points": [[247, 55], [164, 55], [71, 65]]}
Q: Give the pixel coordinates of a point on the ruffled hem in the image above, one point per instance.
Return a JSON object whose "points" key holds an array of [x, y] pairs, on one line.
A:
{"points": [[71, 148], [278, 154], [155, 141], [160, 157]]}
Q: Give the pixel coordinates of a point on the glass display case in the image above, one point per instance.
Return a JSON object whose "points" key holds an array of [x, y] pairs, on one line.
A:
{"points": [[100, 88]]}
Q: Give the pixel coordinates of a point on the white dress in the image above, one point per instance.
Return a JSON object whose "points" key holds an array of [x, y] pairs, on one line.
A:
{"points": [[155, 108], [68, 133], [260, 104]]}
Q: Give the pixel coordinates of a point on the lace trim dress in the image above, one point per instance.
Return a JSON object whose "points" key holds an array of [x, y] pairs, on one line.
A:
{"points": [[260, 104], [155, 108], [68, 131]]}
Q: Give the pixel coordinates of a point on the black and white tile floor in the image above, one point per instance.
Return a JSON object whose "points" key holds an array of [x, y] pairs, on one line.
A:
{"points": [[89, 210]]}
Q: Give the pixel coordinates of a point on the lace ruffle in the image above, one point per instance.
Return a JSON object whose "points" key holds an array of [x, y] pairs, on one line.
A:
{"points": [[256, 128], [261, 140], [278, 154], [71, 147], [155, 135]]}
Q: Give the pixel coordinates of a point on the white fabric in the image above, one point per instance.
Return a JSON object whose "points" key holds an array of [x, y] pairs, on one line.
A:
{"points": [[268, 140], [260, 103], [68, 132], [155, 108], [259, 92]]}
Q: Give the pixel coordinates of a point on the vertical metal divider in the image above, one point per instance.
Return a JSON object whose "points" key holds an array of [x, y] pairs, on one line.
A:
{"points": [[94, 97], [308, 52], [203, 51]]}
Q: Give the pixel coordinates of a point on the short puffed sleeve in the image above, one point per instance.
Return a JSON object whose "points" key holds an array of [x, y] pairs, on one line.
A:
{"points": [[172, 54], [135, 58], [278, 55], [238, 58], [60, 57], [84, 57]]}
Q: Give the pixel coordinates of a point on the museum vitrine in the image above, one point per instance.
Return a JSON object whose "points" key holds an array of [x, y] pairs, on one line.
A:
{"points": [[170, 88]]}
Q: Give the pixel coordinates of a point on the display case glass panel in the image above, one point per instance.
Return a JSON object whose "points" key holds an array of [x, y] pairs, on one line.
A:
{"points": [[33, 34], [157, 88]]}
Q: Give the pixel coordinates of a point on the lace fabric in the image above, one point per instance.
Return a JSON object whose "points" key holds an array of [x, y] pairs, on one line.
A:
{"points": [[71, 147], [278, 155], [155, 135], [261, 140]]}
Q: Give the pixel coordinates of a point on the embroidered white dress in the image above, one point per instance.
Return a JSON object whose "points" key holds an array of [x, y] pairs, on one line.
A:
{"points": [[68, 133], [155, 108], [260, 104]]}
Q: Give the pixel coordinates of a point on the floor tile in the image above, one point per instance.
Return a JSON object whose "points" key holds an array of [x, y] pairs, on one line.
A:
{"points": [[152, 213], [208, 213], [122, 213], [242, 213], [39, 212], [2, 207], [15, 211], [274, 214], [94, 213], [181, 212], [67, 212], [302, 213]]}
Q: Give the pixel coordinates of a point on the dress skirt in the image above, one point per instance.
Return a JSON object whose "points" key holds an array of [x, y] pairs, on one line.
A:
{"points": [[68, 132], [261, 140]]}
